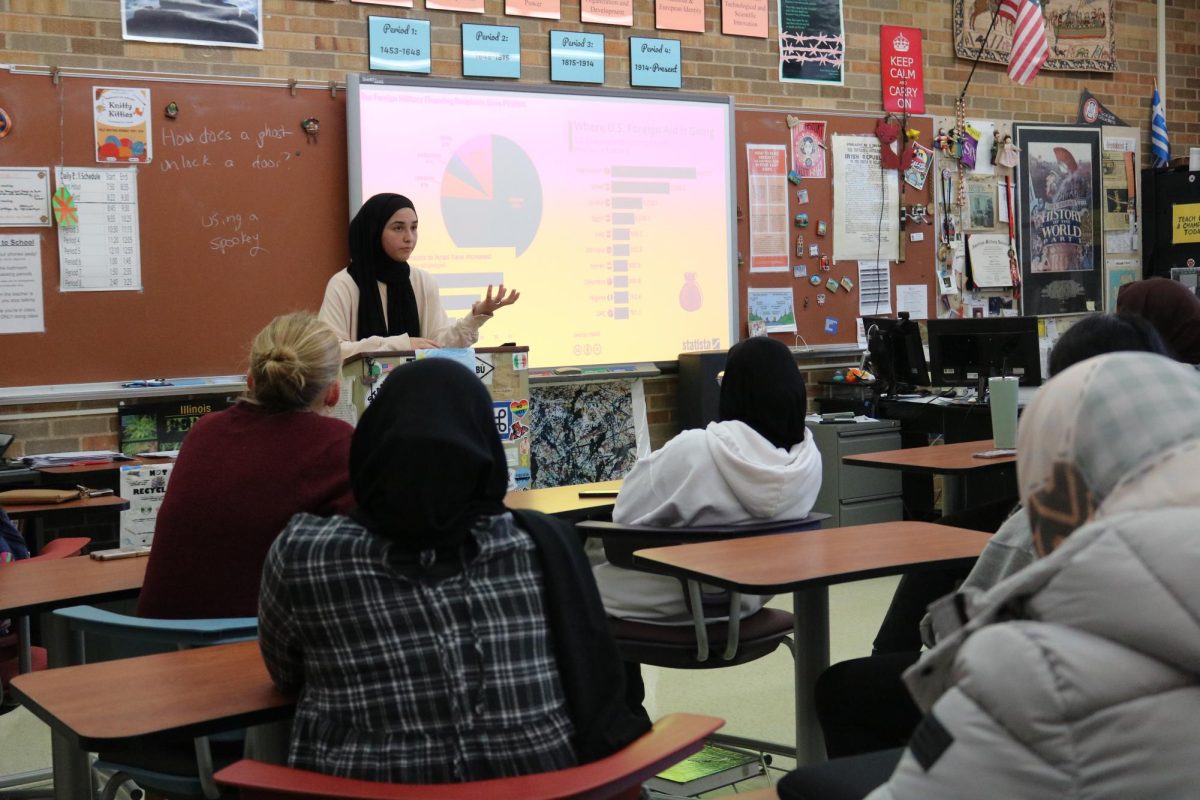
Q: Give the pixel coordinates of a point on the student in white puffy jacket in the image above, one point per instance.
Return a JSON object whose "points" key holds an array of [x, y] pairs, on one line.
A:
{"points": [[756, 464], [1079, 676]]}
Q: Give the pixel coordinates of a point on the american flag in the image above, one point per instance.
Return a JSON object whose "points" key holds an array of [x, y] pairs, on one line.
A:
{"points": [[1029, 46]]}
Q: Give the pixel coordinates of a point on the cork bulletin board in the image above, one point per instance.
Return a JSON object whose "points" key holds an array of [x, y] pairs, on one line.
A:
{"points": [[757, 127], [242, 217]]}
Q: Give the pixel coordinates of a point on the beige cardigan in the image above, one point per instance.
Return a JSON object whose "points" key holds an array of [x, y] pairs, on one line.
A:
{"points": [[340, 311]]}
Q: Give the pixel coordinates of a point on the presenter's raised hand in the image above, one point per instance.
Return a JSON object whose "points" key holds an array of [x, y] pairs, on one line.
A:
{"points": [[488, 305]]}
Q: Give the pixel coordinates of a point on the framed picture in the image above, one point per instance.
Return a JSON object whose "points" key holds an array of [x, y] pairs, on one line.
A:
{"points": [[1059, 213], [228, 23]]}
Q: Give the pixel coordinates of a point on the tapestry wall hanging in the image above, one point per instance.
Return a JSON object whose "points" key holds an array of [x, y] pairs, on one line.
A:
{"points": [[1082, 33]]}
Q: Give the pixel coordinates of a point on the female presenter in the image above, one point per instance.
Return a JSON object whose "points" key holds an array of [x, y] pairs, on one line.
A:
{"points": [[379, 302]]}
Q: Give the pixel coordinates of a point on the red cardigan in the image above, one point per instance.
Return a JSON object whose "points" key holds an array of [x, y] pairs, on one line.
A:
{"points": [[241, 475]]}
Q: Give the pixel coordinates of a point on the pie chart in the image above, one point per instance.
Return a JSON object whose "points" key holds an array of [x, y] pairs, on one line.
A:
{"points": [[491, 195]]}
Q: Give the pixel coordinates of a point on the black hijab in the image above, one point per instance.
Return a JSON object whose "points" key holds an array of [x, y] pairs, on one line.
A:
{"points": [[368, 264], [426, 461], [763, 388]]}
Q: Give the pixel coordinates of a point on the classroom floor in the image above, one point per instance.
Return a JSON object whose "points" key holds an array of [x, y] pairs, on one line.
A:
{"points": [[755, 699]]}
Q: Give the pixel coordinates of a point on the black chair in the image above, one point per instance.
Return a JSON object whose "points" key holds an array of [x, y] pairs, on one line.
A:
{"points": [[684, 647]]}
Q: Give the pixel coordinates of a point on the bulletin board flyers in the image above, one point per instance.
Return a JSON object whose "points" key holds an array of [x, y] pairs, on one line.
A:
{"points": [[1060, 203], [903, 75], [1185, 223], [679, 15], [607, 12], [542, 9], [766, 182], [989, 259], [468, 6], [1121, 271], [227, 23], [744, 18], [99, 248], [145, 486], [24, 196], [393, 3], [774, 307], [812, 41], [866, 202], [517, 459], [918, 170], [122, 121], [808, 148], [21, 308]]}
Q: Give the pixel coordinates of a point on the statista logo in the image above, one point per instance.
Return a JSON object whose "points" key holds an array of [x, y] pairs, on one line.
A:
{"points": [[691, 345]]}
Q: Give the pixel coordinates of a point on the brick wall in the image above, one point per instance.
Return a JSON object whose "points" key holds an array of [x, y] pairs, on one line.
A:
{"points": [[83, 426], [662, 408], [323, 41]]}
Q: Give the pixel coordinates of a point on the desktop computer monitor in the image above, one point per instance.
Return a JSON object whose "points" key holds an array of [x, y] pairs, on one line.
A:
{"points": [[897, 355], [966, 352]]}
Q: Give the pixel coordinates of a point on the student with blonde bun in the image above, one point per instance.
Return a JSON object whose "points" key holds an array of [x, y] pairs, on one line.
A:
{"points": [[243, 472]]}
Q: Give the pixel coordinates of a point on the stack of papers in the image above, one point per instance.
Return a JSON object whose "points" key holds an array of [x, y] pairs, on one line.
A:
{"points": [[67, 459]]}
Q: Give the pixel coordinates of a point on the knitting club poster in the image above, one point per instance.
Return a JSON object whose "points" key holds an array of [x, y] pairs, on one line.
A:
{"points": [[122, 122]]}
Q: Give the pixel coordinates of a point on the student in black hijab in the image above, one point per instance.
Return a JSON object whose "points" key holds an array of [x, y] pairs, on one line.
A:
{"points": [[380, 302], [432, 636], [755, 464], [763, 388]]}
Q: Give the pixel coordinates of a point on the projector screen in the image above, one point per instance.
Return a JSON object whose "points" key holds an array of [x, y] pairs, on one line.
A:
{"points": [[612, 213]]}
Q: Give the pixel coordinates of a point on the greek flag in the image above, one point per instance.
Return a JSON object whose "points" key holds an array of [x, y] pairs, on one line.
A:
{"points": [[1160, 146]]}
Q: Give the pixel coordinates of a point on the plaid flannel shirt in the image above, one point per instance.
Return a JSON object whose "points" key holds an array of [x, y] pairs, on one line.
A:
{"points": [[407, 678]]}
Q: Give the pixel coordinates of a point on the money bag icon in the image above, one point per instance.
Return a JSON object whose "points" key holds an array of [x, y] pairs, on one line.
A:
{"points": [[690, 298]]}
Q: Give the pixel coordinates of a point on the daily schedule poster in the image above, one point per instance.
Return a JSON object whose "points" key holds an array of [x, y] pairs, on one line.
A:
{"points": [[98, 245], [612, 215]]}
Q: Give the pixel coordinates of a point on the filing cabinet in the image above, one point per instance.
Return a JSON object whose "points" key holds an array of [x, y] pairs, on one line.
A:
{"points": [[854, 495]]}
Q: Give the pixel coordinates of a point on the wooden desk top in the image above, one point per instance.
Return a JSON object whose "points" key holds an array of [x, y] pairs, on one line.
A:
{"points": [[43, 585], [564, 500], [108, 502], [75, 469], [186, 691], [789, 561], [945, 459]]}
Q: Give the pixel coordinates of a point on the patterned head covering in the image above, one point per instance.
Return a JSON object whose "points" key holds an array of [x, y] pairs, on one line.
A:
{"points": [[1170, 307], [1114, 433]]}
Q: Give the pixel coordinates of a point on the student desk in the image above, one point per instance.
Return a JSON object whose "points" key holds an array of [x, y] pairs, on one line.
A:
{"points": [[39, 586], [76, 469], [191, 692], [952, 461], [39, 513], [565, 502], [46, 585], [806, 564], [953, 419]]}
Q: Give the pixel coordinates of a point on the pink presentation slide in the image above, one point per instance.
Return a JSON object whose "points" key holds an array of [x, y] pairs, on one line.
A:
{"points": [[611, 215]]}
